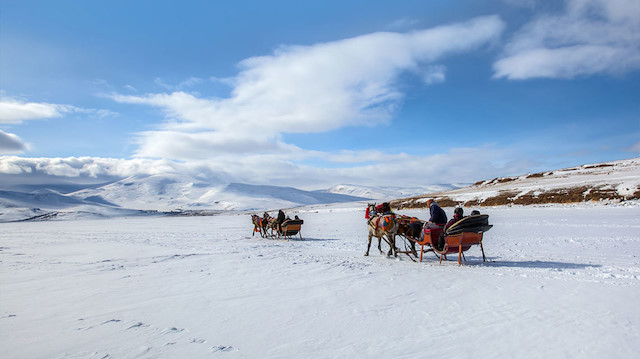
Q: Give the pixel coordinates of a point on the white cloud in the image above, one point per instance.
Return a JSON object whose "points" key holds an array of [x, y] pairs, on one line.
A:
{"points": [[206, 144], [303, 89], [11, 143], [15, 112], [589, 37], [567, 62]]}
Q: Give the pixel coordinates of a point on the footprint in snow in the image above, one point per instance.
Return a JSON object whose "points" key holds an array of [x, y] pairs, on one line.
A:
{"points": [[138, 325], [111, 321], [223, 348]]}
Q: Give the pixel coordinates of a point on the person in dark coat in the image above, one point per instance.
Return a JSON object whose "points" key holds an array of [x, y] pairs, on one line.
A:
{"points": [[281, 218], [437, 217]]}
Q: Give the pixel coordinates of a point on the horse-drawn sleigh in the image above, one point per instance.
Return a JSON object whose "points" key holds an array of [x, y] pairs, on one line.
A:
{"points": [[457, 238], [280, 227]]}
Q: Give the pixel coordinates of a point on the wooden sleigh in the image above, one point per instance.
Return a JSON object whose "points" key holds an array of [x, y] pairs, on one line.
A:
{"points": [[290, 228], [458, 238]]}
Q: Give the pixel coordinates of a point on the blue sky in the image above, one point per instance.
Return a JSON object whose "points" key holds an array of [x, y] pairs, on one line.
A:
{"points": [[312, 94]]}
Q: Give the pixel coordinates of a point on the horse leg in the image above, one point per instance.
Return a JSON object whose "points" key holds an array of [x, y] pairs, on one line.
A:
{"points": [[392, 245], [369, 245], [380, 244]]}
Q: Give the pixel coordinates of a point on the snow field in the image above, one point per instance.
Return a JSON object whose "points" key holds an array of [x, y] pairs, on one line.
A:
{"points": [[563, 283]]}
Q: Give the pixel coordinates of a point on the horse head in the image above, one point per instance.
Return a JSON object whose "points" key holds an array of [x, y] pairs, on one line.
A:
{"points": [[371, 210]]}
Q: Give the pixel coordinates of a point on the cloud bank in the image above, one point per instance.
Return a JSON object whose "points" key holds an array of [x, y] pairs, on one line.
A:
{"points": [[589, 37], [459, 165]]}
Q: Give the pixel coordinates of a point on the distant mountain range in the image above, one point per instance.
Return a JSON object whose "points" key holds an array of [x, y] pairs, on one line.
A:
{"points": [[24, 197]]}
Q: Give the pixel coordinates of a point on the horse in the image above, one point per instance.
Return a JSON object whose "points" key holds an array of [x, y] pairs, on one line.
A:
{"points": [[382, 226], [406, 229], [257, 226], [269, 223]]}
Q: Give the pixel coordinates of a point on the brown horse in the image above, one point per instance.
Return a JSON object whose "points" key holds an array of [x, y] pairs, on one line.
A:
{"points": [[407, 228], [382, 226], [269, 224]]}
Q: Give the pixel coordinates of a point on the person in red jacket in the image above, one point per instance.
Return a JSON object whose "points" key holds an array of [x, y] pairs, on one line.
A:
{"points": [[458, 214]]}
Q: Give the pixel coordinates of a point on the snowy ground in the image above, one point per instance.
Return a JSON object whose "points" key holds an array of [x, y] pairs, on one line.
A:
{"points": [[564, 283]]}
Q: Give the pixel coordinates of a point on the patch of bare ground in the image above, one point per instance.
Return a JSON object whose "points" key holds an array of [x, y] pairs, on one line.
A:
{"points": [[564, 195], [535, 175], [421, 202], [561, 196], [599, 166]]}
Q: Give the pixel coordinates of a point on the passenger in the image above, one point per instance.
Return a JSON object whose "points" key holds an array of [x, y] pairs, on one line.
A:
{"points": [[281, 218], [437, 217], [475, 212], [458, 214]]}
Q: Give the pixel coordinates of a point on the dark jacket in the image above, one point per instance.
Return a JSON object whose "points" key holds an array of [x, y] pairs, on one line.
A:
{"points": [[437, 214]]}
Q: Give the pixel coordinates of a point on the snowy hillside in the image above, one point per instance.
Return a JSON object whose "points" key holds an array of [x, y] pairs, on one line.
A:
{"points": [[611, 181]]}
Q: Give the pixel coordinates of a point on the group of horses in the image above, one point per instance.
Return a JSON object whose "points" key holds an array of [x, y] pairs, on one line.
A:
{"points": [[266, 225]]}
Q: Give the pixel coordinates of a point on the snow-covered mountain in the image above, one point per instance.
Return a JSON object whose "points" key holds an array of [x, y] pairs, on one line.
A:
{"points": [[388, 192], [609, 181], [164, 192]]}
